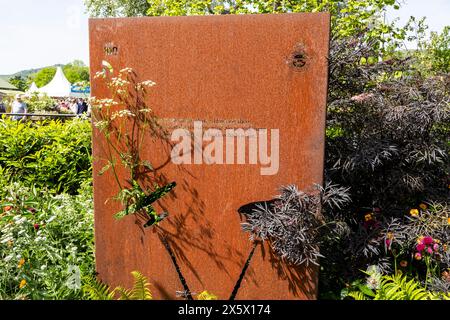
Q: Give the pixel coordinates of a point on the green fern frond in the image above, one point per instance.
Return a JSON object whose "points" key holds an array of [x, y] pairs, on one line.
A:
{"points": [[124, 294], [140, 289], [398, 287], [96, 290], [357, 295]]}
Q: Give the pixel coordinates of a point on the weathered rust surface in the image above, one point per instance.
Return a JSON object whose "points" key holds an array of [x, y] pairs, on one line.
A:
{"points": [[269, 71]]}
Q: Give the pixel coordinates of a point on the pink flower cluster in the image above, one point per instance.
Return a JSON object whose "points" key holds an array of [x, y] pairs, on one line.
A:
{"points": [[426, 245], [389, 239], [361, 97]]}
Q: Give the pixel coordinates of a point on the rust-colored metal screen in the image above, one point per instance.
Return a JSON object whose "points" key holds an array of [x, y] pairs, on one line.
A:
{"points": [[258, 71]]}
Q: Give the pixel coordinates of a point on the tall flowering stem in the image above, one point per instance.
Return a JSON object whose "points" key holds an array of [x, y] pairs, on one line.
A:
{"points": [[125, 120], [428, 248]]}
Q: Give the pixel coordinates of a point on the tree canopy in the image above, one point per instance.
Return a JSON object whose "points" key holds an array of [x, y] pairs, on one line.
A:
{"points": [[349, 17], [19, 82], [118, 8], [44, 76], [75, 72]]}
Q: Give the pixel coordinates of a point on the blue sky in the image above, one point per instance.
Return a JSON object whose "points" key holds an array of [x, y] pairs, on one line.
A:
{"points": [[37, 33], [437, 12], [45, 32]]}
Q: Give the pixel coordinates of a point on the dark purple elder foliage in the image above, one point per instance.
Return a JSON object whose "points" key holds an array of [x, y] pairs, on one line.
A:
{"points": [[393, 129], [292, 223], [387, 152], [387, 141]]}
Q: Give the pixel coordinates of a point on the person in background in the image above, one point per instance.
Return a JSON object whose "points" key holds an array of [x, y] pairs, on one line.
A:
{"points": [[82, 106], [74, 106], [2, 106], [18, 106]]}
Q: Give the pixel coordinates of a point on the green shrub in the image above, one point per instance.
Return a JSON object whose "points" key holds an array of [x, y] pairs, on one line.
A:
{"points": [[434, 53], [38, 103], [51, 154], [96, 290], [387, 144], [46, 243], [391, 287]]}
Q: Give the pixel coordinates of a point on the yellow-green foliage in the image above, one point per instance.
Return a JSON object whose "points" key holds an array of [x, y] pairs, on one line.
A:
{"points": [[205, 295], [51, 154], [140, 290], [38, 103], [398, 287], [96, 290]]}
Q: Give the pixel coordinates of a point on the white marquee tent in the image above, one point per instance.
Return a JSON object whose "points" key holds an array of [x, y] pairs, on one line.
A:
{"points": [[33, 89], [58, 87]]}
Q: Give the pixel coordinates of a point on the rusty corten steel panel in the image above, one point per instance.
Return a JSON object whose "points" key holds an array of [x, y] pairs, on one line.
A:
{"points": [[258, 71]]}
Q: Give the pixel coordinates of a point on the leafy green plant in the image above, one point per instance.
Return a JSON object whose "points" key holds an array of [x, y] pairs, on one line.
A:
{"points": [[95, 290], [125, 121], [39, 103], [141, 202], [125, 143], [433, 53], [388, 145], [51, 154], [19, 82], [347, 17], [46, 243], [393, 287]]}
